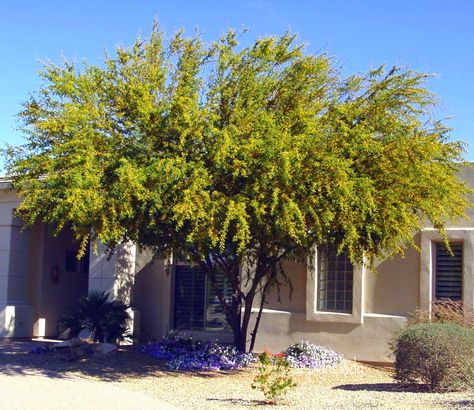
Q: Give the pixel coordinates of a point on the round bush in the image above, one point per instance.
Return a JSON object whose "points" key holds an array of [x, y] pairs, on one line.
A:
{"points": [[430, 353], [306, 354]]}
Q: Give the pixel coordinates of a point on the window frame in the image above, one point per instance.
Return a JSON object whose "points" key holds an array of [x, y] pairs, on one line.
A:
{"points": [[332, 257], [454, 234], [316, 315]]}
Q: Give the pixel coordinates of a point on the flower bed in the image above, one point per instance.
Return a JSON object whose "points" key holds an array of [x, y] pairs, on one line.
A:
{"points": [[195, 355], [306, 354]]}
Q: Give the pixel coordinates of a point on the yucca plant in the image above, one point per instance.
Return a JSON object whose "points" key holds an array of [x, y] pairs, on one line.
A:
{"points": [[105, 319]]}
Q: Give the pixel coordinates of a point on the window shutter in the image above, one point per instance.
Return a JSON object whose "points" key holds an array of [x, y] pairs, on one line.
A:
{"points": [[189, 298], [215, 316], [448, 272], [196, 306]]}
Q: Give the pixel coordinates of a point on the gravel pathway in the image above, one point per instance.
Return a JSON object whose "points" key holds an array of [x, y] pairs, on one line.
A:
{"points": [[348, 386], [128, 380]]}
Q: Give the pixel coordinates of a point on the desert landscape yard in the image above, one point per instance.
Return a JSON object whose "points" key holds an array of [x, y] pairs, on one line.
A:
{"points": [[128, 379]]}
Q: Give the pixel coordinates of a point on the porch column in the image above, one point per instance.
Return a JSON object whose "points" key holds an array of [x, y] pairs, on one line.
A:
{"points": [[16, 312], [115, 274]]}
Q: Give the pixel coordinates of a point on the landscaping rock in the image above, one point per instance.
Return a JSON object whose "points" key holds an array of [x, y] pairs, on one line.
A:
{"points": [[69, 343], [84, 334], [65, 335], [76, 342], [64, 344], [103, 349]]}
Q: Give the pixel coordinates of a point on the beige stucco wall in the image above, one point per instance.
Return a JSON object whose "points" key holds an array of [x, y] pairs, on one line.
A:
{"points": [[393, 287], [367, 342], [152, 296], [284, 321], [113, 273], [387, 301], [294, 301]]}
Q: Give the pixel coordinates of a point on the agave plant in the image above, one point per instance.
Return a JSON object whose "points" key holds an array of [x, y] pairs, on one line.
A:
{"points": [[105, 319]]}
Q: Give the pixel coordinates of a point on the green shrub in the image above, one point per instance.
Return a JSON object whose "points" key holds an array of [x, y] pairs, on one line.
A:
{"points": [[273, 378], [106, 320], [431, 353], [465, 378]]}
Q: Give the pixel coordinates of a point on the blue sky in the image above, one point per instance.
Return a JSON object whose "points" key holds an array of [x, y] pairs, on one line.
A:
{"points": [[434, 36]]}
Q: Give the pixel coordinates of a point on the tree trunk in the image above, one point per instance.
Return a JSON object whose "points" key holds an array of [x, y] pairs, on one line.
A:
{"points": [[239, 322], [241, 332], [235, 324], [238, 311], [259, 316]]}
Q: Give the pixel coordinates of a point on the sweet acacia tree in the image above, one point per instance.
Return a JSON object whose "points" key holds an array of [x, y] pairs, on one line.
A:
{"points": [[235, 157]]}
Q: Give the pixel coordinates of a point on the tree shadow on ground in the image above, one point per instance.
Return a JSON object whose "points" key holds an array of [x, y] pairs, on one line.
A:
{"points": [[401, 388], [240, 402], [459, 404], [126, 362], [384, 387]]}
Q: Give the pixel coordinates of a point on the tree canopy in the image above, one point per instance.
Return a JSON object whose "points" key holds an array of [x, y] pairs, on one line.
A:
{"points": [[221, 153]]}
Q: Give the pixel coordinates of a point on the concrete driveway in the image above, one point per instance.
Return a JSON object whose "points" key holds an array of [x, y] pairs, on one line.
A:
{"points": [[42, 392], [32, 389]]}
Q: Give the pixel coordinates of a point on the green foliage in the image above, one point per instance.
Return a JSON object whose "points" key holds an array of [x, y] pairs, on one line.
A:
{"points": [[432, 353], [229, 145], [464, 380], [273, 379], [106, 320], [231, 155]]}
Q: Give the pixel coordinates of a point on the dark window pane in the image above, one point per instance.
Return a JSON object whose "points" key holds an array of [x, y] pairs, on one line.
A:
{"points": [[449, 272], [335, 281]]}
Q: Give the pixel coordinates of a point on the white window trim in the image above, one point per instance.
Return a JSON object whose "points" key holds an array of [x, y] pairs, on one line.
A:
{"points": [[312, 312], [428, 237]]}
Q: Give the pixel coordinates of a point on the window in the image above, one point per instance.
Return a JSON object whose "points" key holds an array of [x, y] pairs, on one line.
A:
{"points": [[443, 275], [196, 306], [335, 281], [448, 271]]}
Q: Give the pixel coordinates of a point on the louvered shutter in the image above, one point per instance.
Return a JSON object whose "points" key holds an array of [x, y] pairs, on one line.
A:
{"points": [[215, 316], [189, 298], [196, 306], [449, 272]]}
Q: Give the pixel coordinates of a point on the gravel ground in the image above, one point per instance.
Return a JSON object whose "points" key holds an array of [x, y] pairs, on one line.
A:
{"points": [[348, 386]]}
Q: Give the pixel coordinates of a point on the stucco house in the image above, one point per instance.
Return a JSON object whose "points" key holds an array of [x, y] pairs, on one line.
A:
{"points": [[348, 308]]}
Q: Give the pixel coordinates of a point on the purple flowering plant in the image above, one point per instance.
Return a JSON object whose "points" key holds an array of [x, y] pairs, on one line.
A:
{"points": [[306, 354], [187, 354], [42, 349]]}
